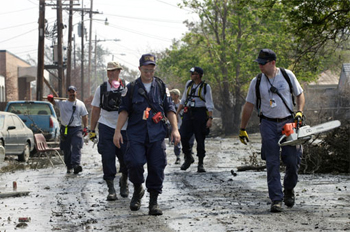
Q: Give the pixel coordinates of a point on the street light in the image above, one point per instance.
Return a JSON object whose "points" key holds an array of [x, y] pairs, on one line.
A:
{"points": [[90, 40]]}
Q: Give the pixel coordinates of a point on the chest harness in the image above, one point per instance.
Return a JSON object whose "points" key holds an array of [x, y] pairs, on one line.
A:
{"points": [[110, 100]]}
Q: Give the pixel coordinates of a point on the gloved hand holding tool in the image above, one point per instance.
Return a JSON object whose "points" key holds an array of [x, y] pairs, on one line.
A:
{"points": [[243, 136], [92, 135], [85, 131], [299, 117]]}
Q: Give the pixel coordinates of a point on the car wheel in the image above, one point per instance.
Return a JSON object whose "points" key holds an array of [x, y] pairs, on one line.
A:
{"points": [[2, 152], [25, 155]]}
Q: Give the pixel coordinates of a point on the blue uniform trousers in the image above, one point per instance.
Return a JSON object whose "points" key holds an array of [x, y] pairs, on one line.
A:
{"points": [[138, 154], [271, 132], [71, 146], [194, 122], [109, 151]]}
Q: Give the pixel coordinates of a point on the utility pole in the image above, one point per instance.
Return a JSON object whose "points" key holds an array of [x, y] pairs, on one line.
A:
{"points": [[69, 52], [82, 52], [41, 45], [60, 50], [82, 29], [89, 64]]}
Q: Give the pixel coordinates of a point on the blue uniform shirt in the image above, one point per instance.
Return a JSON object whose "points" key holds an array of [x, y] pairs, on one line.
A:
{"points": [[139, 129]]}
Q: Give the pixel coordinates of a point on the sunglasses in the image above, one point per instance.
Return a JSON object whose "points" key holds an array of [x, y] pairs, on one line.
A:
{"points": [[263, 63], [147, 70]]}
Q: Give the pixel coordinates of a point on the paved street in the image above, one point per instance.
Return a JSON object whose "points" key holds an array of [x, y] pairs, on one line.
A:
{"points": [[191, 201]]}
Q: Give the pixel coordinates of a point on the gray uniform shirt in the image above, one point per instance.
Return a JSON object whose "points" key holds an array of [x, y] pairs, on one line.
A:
{"points": [[272, 105], [66, 109]]}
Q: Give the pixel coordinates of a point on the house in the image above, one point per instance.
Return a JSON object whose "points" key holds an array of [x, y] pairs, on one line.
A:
{"points": [[328, 96], [16, 76]]}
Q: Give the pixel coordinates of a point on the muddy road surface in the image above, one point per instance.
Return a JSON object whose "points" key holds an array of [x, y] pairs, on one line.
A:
{"points": [[213, 201]]}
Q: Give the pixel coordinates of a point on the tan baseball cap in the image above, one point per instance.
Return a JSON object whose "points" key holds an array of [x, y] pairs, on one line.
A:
{"points": [[113, 65], [175, 91]]}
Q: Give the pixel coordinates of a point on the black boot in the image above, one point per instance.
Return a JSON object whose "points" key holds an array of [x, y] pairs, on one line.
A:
{"points": [[112, 196], [200, 165], [153, 205], [188, 161], [123, 184], [135, 203]]}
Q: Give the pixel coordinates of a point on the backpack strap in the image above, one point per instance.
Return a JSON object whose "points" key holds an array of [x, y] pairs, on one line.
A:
{"points": [[161, 86], [257, 88], [103, 89], [284, 73], [257, 92], [202, 85]]}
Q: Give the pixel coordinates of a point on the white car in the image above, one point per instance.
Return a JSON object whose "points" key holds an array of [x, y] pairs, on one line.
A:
{"points": [[15, 136]]}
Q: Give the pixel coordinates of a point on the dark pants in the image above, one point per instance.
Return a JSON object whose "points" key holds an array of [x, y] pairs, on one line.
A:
{"points": [[109, 151], [138, 154], [271, 132], [194, 122], [71, 146], [177, 148]]}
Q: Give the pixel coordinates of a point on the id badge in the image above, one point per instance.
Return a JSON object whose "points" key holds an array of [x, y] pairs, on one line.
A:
{"points": [[272, 103]]}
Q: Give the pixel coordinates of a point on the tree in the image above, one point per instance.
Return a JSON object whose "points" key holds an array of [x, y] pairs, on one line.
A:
{"points": [[225, 42], [319, 28]]}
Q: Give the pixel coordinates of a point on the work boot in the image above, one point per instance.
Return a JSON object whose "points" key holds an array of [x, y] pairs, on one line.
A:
{"points": [[77, 169], [188, 161], [289, 197], [135, 203], [123, 184], [112, 196], [178, 160], [200, 165], [276, 207], [153, 205]]}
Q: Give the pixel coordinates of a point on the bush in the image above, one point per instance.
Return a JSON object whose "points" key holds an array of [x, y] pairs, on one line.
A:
{"points": [[331, 155]]}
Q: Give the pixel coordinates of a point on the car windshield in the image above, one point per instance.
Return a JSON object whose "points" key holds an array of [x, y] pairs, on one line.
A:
{"points": [[2, 121], [29, 108]]}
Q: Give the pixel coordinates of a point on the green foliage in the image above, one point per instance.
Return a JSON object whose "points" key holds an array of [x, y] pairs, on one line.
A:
{"points": [[319, 27]]}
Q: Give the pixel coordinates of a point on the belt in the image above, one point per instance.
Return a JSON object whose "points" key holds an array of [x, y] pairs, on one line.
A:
{"points": [[277, 119], [70, 126], [198, 108]]}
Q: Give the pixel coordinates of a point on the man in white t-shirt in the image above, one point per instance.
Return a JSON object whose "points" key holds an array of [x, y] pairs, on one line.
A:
{"points": [[72, 114], [275, 110], [105, 106]]}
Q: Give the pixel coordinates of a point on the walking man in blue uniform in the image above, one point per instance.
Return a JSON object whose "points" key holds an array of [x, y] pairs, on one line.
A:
{"points": [[105, 106], [197, 105], [73, 112], [274, 102], [146, 102]]}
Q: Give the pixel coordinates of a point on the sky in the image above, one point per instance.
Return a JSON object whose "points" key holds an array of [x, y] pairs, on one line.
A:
{"points": [[141, 26]]}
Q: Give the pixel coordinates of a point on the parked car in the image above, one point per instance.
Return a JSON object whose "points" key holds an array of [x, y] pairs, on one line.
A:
{"points": [[15, 136], [39, 116]]}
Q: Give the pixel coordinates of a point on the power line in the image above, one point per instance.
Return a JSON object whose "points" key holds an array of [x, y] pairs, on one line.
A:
{"points": [[145, 19], [19, 35], [17, 11]]}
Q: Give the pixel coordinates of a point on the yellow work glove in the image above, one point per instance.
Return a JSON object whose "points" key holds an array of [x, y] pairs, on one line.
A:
{"points": [[298, 117], [92, 136], [243, 136]]}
